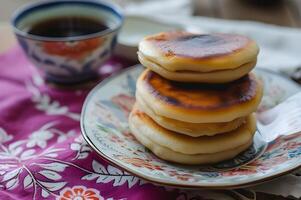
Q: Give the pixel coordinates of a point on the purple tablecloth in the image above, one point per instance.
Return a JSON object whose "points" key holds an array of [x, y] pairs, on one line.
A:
{"points": [[42, 153]]}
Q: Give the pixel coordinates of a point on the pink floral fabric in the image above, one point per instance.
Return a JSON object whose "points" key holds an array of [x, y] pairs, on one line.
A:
{"points": [[42, 153]]}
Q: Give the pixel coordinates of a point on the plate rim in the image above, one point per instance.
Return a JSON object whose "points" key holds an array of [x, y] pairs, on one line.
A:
{"points": [[111, 161]]}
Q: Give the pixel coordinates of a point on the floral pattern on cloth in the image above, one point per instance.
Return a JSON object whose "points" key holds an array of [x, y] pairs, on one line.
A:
{"points": [[42, 153], [80, 192]]}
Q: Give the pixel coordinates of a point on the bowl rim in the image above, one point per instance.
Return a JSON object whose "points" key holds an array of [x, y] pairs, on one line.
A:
{"points": [[18, 14]]}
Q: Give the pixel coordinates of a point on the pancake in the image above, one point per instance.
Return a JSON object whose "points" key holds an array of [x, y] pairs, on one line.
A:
{"points": [[199, 103], [183, 51], [168, 154], [192, 145], [218, 76], [190, 129]]}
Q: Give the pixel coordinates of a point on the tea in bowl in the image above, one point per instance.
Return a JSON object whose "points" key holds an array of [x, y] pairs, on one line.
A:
{"points": [[68, 40]]}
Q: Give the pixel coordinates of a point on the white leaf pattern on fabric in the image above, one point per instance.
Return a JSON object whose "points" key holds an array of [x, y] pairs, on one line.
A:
{"points": [[45, 194], [4, 137], [82, 155], [53, 186], [12, 184], [14, 145], [17, 151], [97, 167], [64, 136], [52, 152], [121, 181], [50, 175], [55, 166], [26, 154], [90, 177], [36, 148], [44, 103], [133, 181], [53, 155], [41, 136], [4, 155], [61, 138], [141, 182], [114, 174], [27, 182], [11, 174], [86, 148], [37, 80], [82, 148], [104, 179], [5, 167], [75, 146], [114, 170]]}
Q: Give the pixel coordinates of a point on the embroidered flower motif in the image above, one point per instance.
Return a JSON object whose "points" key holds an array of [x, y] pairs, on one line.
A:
{"points": [[39, 138], [79, 193], [81, 147]]}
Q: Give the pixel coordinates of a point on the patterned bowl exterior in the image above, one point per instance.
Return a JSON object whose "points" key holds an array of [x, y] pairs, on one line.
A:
{"points": [[105, 127], [72, 59]]}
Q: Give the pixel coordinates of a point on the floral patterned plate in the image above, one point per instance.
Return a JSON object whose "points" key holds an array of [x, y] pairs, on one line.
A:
{"points": [[105, 127]]}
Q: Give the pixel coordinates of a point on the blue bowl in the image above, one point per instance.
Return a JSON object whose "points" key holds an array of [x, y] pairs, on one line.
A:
{"points": [[68, 59]]}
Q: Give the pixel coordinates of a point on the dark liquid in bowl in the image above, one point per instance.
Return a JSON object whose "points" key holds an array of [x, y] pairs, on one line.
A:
{"points": [[67, 27]]}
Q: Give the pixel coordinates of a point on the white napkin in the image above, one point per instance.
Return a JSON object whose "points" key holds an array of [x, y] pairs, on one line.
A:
{"points": [[289, 185], [283, 119]]}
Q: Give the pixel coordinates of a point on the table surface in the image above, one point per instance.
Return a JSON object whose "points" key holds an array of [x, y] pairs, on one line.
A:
{"points": [[279, 12], [283, 13]]}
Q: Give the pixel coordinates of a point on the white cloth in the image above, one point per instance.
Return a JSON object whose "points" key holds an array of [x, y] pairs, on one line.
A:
{"points": [[156, 7], [289, 185]]}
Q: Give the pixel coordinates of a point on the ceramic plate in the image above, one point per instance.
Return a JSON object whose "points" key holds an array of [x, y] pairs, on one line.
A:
{"points": [[105, 127]]}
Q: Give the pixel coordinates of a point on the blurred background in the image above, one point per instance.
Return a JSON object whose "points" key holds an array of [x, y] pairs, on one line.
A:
{"points": [[280, 12]]}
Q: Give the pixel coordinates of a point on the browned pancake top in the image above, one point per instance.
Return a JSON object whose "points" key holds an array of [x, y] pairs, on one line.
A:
{"points": [[198, 46], [201, 96]]}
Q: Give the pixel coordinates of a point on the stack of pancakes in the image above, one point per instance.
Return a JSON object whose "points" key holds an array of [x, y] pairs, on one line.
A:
{"points": [[195, 102]]}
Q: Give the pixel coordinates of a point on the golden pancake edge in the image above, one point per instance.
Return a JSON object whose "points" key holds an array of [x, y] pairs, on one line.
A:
{"points": [[200, 103]]}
